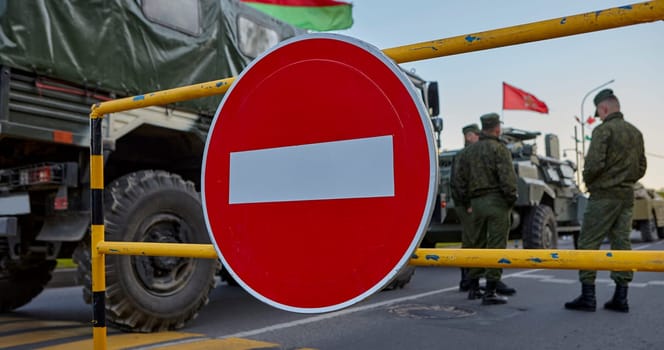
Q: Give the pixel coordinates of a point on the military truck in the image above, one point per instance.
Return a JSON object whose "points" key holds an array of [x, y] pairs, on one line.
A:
{"points": [[648, 215], [549, 203], [57, 58]]}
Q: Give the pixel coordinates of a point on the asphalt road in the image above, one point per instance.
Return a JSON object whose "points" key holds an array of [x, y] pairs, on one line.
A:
{"points": [[429, 313]]}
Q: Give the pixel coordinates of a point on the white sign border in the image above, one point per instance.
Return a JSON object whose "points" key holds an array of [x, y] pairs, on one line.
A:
{"points": [[433, 174]]}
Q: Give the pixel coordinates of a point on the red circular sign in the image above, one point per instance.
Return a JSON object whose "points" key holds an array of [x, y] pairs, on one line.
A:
{"points": [[319, 174]]}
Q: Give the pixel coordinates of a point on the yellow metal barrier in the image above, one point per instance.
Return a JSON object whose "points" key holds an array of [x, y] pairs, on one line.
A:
{"points": [[614, 260], [180, 250], [549, 29], [558, 259]]}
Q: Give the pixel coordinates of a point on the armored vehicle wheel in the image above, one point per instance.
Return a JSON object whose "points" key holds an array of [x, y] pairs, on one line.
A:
{"points": [[227, 277], [427, 243], [575, 237], [22, 280], [648, 229], [147, 294], [402, 278], [539, 230]]}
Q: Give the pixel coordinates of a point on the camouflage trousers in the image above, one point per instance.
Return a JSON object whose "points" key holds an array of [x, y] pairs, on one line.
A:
{"points": [[491, 226], [604, 217], [466, 220]]}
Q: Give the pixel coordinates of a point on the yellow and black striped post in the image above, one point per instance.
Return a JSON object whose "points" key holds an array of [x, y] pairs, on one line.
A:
{"points": [[97, 228]]}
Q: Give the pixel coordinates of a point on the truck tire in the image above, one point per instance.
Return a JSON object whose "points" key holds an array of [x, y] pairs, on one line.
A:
{"points": [[575, 239], [149, 294], [81, 258], [22, 280], [402, 278], [539, 230], [648, 229]]}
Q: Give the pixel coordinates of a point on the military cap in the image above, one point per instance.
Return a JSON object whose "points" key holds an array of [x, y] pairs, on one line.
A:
{"points": [[601, 96], [471, 128], [490, 121]]}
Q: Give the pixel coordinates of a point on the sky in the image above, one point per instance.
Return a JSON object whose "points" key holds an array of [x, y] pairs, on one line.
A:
{"points": [[559, 72]]}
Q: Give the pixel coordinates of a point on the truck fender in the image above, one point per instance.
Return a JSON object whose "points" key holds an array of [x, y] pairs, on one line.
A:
{"points": [[531, 191], [66, 227]]}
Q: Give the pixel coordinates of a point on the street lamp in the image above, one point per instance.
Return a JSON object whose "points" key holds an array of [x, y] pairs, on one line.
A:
{"points": [[575, 150], [583, 120], [578, 156]]}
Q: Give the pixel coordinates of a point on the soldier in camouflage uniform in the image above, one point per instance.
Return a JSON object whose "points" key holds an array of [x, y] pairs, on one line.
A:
{"points": [[487, 186], [615, 161], [471, 134]]}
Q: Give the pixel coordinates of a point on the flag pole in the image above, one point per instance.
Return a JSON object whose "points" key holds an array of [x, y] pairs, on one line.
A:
{"points": [[502, 104], [502, 116]]}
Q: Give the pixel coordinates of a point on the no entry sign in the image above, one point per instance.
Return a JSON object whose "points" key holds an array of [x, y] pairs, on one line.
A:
{"points": [[319, 174]]}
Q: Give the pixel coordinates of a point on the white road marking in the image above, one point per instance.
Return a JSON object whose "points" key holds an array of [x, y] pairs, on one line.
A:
{"points": [[608, 281], [534, 276], [357, 168], [560, 281]]}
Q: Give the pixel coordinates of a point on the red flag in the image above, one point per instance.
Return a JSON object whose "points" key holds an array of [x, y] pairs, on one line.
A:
{"points": [[515, 98]]}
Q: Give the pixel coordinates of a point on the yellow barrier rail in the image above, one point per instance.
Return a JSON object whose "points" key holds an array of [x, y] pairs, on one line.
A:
{"points": [[564, 26], [536, 31], [180, 250], [613, 260]]}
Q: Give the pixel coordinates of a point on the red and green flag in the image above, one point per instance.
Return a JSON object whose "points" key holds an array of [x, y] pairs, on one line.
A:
{"points": [[319, 15]]}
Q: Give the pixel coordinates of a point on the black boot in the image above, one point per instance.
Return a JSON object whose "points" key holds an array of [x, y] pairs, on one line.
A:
{"points": [[619, 301], [464, 284], [503, 289], [490, 297], [586, 301], [474, 291]]}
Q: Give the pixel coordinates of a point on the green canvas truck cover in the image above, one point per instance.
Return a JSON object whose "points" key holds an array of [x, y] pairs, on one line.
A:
{"points": [[130, 47]]}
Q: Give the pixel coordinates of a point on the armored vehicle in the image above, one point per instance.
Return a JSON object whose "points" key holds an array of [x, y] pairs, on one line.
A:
{"points": [[648, 216], [549, 203]]}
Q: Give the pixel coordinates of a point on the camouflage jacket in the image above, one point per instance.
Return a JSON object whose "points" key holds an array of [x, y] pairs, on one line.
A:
{"points": [[486, 167], [616, 157], [454, 186]]}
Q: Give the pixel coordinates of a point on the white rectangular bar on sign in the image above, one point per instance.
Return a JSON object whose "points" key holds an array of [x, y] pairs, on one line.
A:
{"points": [[358, 168]]}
